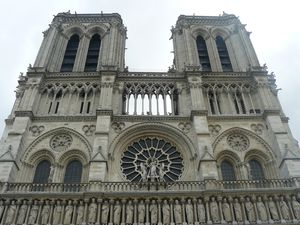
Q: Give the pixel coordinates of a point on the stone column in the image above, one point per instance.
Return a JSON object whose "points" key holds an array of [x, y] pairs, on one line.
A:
{"points": [[206, 200]]}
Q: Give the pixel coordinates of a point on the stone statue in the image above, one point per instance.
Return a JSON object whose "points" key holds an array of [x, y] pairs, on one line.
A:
{"points": [[161, 172], [226, 211], [153, 212], [92, 212], [177, 212], [80, 213], [45, 213], [153, 173], [261, 210], [296, 207], [238, 210], [144, 172], [129, 212], [285, 212], [68, 213], [57, 213], [33, 214], [201, 211], [11, 213], [166, 212], [273, 209], [250, 210], [22, 213], [141, 212], [104, 212], [51, 174], [214, 211], [117, 212], [189, 212]]}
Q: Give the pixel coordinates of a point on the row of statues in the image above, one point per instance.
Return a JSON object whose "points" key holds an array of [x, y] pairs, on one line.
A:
{"points": [[151, 211]]}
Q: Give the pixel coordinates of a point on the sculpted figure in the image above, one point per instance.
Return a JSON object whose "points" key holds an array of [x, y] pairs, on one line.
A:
{"points": [[166, 212], [11, 212], [153, 212], [22, 213], [261, 209], [161, 172], [214, 210], [189, 212], [45, 213], [177, 212], [238, 210], [68, 213], [296, 207], [273, 209], [80, 212], [141, 212], [104, 212], [33, 214], [57, 213], [92, 211], [129, 212], [51, 174], [285, 212], [153, 173], [226, 211], [250, 210], [117, 213], [144, 172], [201, 211]]}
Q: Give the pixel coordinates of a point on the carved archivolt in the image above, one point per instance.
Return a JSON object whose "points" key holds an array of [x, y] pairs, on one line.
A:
{"points": [[63, 140]]}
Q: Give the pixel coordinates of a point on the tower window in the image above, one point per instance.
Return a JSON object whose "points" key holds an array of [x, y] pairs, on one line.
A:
{"points": [[70, 54], [227, 171], [256, 170], [223, 54], [42, 172], [93, 53], [73, 172], [203, 54]]}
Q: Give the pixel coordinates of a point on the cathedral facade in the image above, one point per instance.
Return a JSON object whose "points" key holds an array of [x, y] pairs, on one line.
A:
{"points": [[89, 142]]}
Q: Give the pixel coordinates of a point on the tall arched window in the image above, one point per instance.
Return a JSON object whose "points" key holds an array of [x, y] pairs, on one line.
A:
{"points": [[93, 54], [203, 54], [73, 172], [227, 171], [70, 54], [223, 54], [42, 172], [256, 170]]}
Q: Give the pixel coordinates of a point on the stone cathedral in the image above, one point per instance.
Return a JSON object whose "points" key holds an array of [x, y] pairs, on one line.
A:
{"points": [[90, 142]]}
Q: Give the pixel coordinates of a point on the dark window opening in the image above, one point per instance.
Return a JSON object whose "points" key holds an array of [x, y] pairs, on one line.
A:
{"points": [[203, 54], [223, 54], [50, 107], [88, 107], [256, 170], [93, 54], [42, 172], [56, 108], [227, 170], [81, 107], [70, 54], [73, 172]]}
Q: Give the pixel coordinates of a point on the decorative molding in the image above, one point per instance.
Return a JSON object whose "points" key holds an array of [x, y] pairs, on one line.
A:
{"points": [[214, 129], [118, 126], [257, 128], [61, 142], [185, 126], [238, 142], [89, 130], [36, 130]]}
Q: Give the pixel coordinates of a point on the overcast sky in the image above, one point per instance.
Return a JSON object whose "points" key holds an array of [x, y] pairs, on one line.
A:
{"points": [[275, 27]]}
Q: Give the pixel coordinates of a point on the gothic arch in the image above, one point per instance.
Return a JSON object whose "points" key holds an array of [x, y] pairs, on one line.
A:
{"points": [[43, 140], [73, 154], [74, 29], [222, 32], [196, 31], [157, 130], [100, 29], [41, 155], [232, 157]]}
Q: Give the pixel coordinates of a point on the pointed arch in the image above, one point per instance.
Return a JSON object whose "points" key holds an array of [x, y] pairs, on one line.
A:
{"points": [[70, 54]]}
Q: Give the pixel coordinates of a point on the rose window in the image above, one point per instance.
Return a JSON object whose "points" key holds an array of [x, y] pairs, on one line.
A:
{"points": [[151, 159], [61, 142], [238, 142]]}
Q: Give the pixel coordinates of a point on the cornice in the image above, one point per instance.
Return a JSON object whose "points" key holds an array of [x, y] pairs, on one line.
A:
{"points": [[132, 118], [54, 118], [104, 112], [234, 117], [24, 113]]}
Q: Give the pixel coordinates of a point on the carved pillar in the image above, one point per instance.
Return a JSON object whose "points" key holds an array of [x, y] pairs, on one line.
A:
{"points": [[28, 211], [288, 198], [243, 210], [51, 211], [74, 211], [253, 198], [18, 203], [172, 212], [123, 220], [219, 199], [265, 200], [135, 215], [196, 220], [86, 201], [206, 200], [63, 212], [230, 200], [4, 213], [159, 211], [111, 205], [182, 202], [147, 211]]}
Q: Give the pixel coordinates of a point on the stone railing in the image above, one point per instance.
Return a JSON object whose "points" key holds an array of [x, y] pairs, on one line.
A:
{"points": [[129, 187], [149, 74]]}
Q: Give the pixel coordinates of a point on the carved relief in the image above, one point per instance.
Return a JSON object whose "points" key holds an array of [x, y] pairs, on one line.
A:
{"points": [[118, 126], [257, 128], [89, 129], [36, 130], [61, 142], [185, 126], [238, 142], [214, 129]]}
